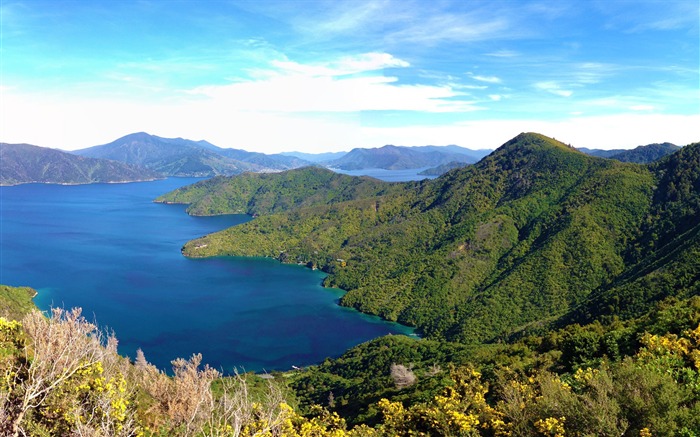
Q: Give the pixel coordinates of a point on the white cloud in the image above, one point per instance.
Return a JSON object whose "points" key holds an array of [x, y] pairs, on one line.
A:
{"points": [[554, 88], [495, 97], [344, 66], [642, 107], [348, 84], [503, 54], [487, 79], [54, 122], [469, 87]]}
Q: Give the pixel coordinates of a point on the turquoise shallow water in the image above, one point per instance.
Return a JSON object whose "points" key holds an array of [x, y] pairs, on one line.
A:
{"points": [[109, 249]]}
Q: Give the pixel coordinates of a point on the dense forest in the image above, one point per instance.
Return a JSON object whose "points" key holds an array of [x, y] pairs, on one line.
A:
{"points": [[534, 232], [557, 293]]}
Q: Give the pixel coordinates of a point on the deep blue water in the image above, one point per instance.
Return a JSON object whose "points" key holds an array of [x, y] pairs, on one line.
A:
{"points": [[109, 249]]}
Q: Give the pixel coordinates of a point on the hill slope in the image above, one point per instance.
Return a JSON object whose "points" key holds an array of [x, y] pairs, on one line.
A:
{"points": [[664, 258], [265, 193], [524, 235], [24, 163]]}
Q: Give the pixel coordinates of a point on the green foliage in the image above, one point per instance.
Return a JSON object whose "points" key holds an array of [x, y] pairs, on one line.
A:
{"points": [[361, 377], [15, 302], [663, 255]]}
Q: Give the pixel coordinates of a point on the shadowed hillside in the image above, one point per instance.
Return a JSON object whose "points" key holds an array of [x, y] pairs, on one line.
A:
{"points": [[24, 163]]}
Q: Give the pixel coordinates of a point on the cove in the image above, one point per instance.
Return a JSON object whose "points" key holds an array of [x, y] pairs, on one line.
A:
{"points": [[110, 250]]}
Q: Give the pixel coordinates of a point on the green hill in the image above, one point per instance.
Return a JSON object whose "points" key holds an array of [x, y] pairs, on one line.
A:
{"points": [[267, 193], [481, 253]]}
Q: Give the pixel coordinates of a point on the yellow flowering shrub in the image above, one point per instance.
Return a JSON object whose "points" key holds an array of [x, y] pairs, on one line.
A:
{"points": [[551, 426]]}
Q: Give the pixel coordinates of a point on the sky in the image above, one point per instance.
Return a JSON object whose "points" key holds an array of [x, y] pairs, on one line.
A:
{"points": [[323, 76]]}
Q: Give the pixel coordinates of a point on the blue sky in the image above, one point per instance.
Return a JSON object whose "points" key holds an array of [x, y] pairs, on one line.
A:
{"points": [[321, 76]]}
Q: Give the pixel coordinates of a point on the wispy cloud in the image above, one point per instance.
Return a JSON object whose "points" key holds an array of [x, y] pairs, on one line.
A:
{"points": [[396, 23], [344, 66], [503, 54], [487, 79], [655, 16], [554, 88], [449, 27]]}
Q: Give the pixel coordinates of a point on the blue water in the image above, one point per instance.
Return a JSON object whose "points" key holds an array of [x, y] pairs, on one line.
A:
{"points": [[109, 249], [411, 174]]}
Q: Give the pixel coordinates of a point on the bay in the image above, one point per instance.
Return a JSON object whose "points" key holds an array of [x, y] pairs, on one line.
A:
{"points": [[110, 250], [410, 174]]}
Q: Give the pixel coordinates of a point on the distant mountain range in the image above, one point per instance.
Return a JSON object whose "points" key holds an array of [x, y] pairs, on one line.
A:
{"points": [[316, 157], [639, 155], [400, 158], [181, 157], [24, 163], [141, 156]]}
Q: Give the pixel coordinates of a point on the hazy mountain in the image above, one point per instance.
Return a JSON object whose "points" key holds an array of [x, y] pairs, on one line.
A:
{"points": [[315, 157], [475, 154], [279, 161], [600, 153], [24, 163], [170, 156], [639, 155], [646, 154], [401, 158], [181, 157]]}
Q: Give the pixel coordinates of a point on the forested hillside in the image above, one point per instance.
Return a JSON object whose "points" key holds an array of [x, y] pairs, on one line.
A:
{"points": [[267, 193], [481, 253]]}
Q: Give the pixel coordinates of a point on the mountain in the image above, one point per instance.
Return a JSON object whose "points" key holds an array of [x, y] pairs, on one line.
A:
{"points": [[639, 155], [600, 153], [476, 155], [169, 156], [24, 163], [277, 161], [524, 236], [315, 157], [646, 154], [181, 157], [401, 158]]}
